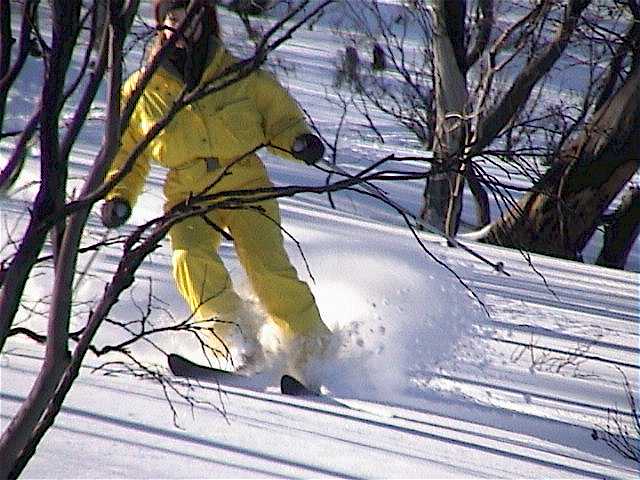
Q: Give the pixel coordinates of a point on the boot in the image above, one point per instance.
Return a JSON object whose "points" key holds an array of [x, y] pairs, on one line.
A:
{"points": [[235, 342], [306, 354]]}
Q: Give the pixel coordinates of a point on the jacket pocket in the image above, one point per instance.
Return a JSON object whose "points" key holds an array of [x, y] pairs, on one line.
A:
{"points": [[189, 180], [244, 126], [194, 173]]}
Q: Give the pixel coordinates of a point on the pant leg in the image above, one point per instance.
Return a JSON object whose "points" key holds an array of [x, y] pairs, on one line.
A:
{"points": [[200, 275], [260, 248]]}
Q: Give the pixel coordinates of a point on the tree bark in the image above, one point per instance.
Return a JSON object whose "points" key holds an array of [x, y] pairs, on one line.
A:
{"points": [[443, 190], [49, 201], [484, 24], [560, 214], [6, 40], [9, 72], [621, 231], [483, 210], [498, 116]]}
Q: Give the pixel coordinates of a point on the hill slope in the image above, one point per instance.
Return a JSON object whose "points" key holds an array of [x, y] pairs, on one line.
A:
{"points": [[458, 371]]}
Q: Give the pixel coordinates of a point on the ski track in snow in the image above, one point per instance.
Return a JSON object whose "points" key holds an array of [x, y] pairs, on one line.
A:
{"points": [[448, 390]]}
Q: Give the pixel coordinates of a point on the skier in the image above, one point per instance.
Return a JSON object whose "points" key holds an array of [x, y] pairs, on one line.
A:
{"points": [[203, 139]]}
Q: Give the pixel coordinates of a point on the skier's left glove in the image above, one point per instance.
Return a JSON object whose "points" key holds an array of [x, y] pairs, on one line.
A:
{"points": [[308, 148], [114, 213]]}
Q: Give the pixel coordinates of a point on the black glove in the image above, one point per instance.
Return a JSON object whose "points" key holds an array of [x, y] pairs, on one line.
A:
{"points": [[308, 148], [115, 212]]}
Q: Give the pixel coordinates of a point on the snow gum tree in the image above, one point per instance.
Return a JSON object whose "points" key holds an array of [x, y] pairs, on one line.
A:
{"points": [[519, 85], [567, 204], [50, 214]]}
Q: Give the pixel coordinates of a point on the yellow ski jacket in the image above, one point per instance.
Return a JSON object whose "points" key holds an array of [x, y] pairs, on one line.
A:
{"points": [[207, 135]]}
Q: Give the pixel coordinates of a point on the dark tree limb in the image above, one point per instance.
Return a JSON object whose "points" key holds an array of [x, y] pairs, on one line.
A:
{"points": [[501, 114], [621, 231], [485, 24], [572, 196]]}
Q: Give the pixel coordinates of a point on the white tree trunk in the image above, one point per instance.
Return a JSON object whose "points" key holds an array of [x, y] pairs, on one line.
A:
{"points": [[443, 194]]}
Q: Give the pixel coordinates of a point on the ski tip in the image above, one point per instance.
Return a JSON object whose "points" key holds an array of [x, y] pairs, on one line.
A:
{"points": [[176, 364], [291, 386], [172, 359], [183, 367]]}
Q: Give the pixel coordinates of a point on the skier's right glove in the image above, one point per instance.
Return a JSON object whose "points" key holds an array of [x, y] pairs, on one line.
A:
{"points": [[308, 148], [115, 212]]}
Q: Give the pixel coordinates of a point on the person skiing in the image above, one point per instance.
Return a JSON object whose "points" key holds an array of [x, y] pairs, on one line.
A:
{"points": [[217, 134]]}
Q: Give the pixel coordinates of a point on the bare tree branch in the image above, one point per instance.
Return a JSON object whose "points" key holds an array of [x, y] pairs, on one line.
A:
{"points": [[499, 115]]}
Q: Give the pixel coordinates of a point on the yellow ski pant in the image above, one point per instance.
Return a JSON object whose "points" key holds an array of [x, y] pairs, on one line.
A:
{"points": [[204, 282]]}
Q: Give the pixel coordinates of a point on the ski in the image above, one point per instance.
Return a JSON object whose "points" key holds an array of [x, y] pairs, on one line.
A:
{"points": [[183, 367], [290, 386], [293, 387]]}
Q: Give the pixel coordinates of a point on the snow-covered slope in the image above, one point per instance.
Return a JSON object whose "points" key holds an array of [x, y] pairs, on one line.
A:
{"points": [[454, 370], [446, 391]]}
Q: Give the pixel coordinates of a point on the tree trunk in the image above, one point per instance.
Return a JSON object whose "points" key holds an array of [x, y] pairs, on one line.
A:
{"points": [[50, 200], [622, 231], [6, 44], [443, 191], [483, 209], [561, 212]]}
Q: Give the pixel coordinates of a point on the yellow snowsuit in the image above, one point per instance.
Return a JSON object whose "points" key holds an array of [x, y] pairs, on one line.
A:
{"points": [[199, 142]]}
